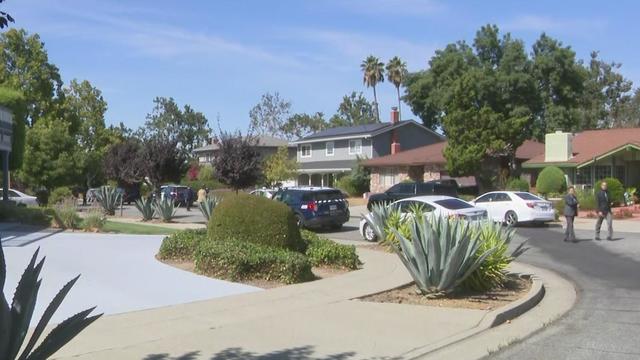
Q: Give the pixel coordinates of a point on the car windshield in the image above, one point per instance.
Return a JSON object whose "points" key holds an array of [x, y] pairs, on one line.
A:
{"points": [[453, 204], [527, 196]]}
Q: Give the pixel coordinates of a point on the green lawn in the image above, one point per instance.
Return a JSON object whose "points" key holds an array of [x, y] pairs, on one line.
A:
{"points": [[136, 229]]}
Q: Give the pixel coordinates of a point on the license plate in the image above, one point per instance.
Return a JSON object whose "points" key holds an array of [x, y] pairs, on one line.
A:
{"points": [[333, 207]]}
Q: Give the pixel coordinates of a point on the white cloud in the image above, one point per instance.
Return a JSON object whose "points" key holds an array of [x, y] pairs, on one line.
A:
{"points": [[546, 23], [392, 7]]}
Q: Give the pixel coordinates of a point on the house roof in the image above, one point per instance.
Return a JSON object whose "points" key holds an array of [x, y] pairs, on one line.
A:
{"points": [[434, 155], [593, 144], [358, 131], [263, 141]]}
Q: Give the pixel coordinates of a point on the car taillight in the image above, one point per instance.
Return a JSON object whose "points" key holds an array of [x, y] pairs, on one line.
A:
{"points": [[312, 206], [531, 205]]}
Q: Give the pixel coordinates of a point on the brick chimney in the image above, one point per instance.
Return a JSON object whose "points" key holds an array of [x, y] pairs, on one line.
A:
{"points": [[395, 119]]}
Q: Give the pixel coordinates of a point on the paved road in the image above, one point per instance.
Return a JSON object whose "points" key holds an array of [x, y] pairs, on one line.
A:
{"points": [[605, 323]]}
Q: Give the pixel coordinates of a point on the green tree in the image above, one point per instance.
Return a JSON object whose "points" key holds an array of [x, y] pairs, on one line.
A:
{"points": [[162, 161], [396, 74], [353, 110], [373, 74], [14, 101], [50, 158], [237, 163], [186, 127], [560, 81], [301, 125], [268, 116], [122, 162], [5, 18], [628, 112], [279, 167], [25, 66]]}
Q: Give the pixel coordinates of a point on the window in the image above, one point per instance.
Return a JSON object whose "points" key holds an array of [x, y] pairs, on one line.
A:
{"points": [[485, 198], [603, 171], [410, 205], [305, 151], [527, 196], [13, 194], [355, 147], [620, 173], [402, 188], [329, 148], [501, 197], [454, 204], [388, 176], [583, 176]]}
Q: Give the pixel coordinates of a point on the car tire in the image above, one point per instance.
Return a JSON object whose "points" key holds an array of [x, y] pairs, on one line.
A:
{"points": [[511, 218], [299, 221], [368, 233]]}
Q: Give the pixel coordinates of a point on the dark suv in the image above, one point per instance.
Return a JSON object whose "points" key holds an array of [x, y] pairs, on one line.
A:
{"points": [[448, 187], [316, 207]]}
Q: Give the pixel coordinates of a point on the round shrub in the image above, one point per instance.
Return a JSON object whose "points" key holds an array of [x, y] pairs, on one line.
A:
{"points": [[256, 220], [616, 190], [182, 244], [551, 180], [59, 195], [517, 184], [324, 252]]}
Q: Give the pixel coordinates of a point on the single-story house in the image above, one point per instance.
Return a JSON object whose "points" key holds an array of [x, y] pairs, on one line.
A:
{"points": [[591, 155], [427, 163], [267, 145]]}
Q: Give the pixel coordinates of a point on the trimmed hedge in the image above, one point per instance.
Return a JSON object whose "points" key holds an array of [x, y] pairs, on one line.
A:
{"points": [[517, 184], [324, 252], [255, 220], [182, 244], [240, 260], [26, 215], [551, 180], [616, 190], [59, 195]]}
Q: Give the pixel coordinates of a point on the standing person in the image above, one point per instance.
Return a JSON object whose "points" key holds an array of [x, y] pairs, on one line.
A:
{"points": [[202, 194], [570, 212], [603, 202], [188, 198]]}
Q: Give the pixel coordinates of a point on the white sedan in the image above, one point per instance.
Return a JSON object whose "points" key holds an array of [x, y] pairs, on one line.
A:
{"points": [[513, 207], [21, 198], [432, 204]]}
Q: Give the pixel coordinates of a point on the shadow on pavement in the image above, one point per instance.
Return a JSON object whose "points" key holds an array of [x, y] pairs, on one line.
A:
{"points": [[297, 353]]}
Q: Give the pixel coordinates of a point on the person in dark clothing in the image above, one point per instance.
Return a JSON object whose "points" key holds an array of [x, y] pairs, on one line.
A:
{"points": [[603, 202], [570, 212], [189, 195]]}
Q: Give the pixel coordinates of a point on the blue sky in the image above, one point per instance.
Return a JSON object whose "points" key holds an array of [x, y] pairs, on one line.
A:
{"points": [[220, 56]]}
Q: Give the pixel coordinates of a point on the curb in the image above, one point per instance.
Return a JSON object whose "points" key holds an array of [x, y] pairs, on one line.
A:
{"points": [[551, 296]]}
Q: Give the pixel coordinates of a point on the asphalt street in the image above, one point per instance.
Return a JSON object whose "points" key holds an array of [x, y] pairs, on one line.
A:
{"points": [[605, 323]]}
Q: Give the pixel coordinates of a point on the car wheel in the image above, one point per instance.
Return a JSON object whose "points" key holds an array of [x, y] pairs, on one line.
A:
{"points": [[299, 221], [510, 218], [369, 234]]}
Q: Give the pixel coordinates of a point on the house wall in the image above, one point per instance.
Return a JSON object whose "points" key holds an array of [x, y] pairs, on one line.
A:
{"points": [[410, 136], [340, 152]]}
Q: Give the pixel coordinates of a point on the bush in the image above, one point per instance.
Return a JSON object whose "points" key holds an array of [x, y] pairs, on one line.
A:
{"points": [[257, 220], [517, 184], [551, 180], [59, 195], [94, 221], [182, 245], [586, 199], [25, 215], [324, 252], [42, 197], [237, 260], [66, 215], [616, 190]]}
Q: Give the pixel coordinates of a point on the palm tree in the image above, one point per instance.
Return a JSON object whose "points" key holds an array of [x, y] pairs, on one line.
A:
{"points": [[373, 70], [396, 73]]}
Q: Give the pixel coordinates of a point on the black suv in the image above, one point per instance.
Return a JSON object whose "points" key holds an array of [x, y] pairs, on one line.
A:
{"points": [[448, 187], [316, 207]]}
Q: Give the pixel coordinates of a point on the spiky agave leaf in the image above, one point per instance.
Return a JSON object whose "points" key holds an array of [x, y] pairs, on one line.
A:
{"points": [[165, 208], [5, 312], [146, 208], [109, 198], [208, 206]]}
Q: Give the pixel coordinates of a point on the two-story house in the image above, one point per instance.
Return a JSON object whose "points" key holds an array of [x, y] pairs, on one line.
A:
{"points": [[265, 146], [323, 156]]}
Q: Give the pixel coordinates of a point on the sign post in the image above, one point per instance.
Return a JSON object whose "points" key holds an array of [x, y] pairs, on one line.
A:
{"points": [[6, 131]]}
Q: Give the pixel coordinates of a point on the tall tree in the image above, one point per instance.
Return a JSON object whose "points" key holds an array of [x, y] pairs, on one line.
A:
{"points": [[396, 74], [301, 125], [5, 18], [162, 161], [122, 162], [279, 167], [237, 163], [628, 112], [185, 127], [268, 116], [560, 79], [354, 110], [373, 74], [25, 66]]}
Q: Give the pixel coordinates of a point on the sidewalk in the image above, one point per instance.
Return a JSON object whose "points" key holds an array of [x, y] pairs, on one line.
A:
{"points": [[629, 226]]}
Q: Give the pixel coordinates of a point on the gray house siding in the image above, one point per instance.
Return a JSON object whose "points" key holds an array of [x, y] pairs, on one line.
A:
{"points": [[340, 151], [410, 137]]}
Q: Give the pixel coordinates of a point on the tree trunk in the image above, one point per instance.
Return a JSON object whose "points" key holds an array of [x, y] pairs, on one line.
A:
{"points": [[375, 100], [399, 111]]}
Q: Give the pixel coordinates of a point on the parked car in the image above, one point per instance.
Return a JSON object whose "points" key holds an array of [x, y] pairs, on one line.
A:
{"points": [[180, 194], [22, 199], [268, 193], [129, 195], [91, 195], [316, 207], [513, 207], [436, 205], [404, 190]]}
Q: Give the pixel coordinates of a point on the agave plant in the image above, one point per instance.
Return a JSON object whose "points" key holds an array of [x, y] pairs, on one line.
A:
{"points": [[109, 198], [208, 205], [146, 208], [15, 320], [440, 253], [165, 208]]}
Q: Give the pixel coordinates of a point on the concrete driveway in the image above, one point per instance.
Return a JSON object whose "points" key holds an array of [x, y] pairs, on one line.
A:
{"points": [[119, 273]]}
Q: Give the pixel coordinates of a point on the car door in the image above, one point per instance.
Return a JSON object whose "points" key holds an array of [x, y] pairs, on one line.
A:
{"points": [[502, 203], [13, 196], [486, 202]]}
